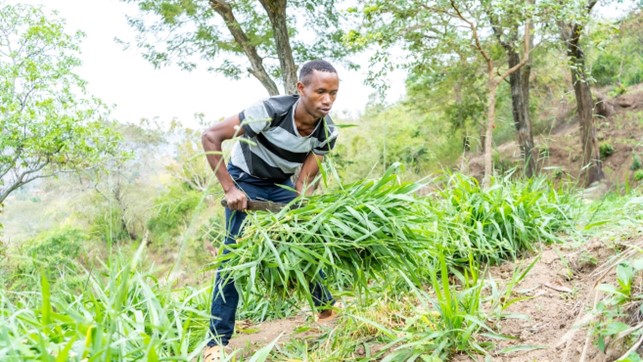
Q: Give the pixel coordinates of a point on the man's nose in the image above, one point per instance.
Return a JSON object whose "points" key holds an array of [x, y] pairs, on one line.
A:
{"points": [[326, 98]]}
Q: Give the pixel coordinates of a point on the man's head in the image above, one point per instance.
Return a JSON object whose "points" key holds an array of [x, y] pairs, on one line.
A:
{"points": [[318, 85]]}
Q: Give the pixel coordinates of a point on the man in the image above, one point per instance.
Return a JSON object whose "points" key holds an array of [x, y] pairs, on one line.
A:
{"points": [[281, 134]]}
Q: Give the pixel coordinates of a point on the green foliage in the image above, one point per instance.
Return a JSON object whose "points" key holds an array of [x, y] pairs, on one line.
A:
{"points": [[122, 315], [377, 228], [56, 253], [605, 149], [350, 235], [110, 226], [636, 163], [194, 32], [48, 122], [619, 59], [622, 307], [498, 223], [638, 175], [172, 211]]}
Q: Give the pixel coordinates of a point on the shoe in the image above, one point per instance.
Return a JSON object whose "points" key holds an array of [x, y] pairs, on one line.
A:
{"points": [[214, 354], [331, 313]]}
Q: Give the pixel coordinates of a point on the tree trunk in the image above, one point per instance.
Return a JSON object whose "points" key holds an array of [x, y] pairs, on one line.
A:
{"points": [[519, 82], [257, 69], [492, 86], [276, 10], [591, 168]]}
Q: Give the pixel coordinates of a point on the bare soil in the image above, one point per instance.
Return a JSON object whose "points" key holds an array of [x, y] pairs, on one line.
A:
{"points": [[563, 290]]}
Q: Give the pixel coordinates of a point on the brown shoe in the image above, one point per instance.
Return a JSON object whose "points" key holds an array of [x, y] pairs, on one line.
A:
{"points": [[214, 354], [331, 313]]}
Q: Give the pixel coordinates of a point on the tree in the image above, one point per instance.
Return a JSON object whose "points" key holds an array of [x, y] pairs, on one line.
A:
{"points": [[48, 124], [506, 27], [571, 24], [223, 32], [433, 30]]}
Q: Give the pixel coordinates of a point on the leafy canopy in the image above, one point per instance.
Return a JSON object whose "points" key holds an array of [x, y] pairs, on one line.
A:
{"points": [[48, 123]]}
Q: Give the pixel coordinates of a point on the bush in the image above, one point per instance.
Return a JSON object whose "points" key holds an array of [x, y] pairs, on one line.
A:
{"points": [[638, 175], [636, 163], [172, 210], [109, 225], [605, 149], [55, 252]]}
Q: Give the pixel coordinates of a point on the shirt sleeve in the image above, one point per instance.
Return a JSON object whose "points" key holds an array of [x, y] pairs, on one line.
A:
{"points": [[255, 119]]}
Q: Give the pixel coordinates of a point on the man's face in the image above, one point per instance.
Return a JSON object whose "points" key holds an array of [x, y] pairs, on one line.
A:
{"points": [[319, 94]]}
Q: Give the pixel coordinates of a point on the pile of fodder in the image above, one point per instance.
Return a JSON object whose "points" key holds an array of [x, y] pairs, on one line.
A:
{"points": [[347, 236], [377, 229]]}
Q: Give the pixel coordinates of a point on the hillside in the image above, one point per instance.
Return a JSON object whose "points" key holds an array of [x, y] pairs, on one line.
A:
{"points": [[619, 133]]}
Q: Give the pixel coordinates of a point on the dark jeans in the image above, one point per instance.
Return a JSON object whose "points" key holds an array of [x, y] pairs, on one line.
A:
{"points": [[225, 297]]}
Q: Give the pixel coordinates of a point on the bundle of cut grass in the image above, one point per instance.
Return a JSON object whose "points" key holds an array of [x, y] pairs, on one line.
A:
{"points": [[361, 231]]}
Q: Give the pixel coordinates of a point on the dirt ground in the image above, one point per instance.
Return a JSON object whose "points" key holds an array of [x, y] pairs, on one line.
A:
{"points": [[562, 286]]}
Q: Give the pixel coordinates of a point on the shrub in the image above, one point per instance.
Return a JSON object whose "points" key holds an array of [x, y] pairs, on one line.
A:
{"points": [[55, 253], [636, 163], [638, 175], [172, 210], [605, 149]]}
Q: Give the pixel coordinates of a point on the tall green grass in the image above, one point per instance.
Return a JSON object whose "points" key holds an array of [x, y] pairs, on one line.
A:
{"points": [[376, 229], [122, 315], [500, 222]]}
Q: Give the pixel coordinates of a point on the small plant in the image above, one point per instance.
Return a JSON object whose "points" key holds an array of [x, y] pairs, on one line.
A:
{"points": [[636, 163], [618, 90], [605, 149], [638, 175], [621, 308]]}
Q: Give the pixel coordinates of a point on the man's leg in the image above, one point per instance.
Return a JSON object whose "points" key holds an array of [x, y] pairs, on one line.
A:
{"points": [[225, 297]]}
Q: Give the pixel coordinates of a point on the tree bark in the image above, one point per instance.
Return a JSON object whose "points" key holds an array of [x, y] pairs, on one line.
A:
{"points": [[276, 10], [591, 168], [492, 87], [257, 69], [519, 83]]}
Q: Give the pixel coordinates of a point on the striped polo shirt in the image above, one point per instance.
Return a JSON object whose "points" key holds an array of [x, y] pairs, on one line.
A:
{"points": [[271, 147]]}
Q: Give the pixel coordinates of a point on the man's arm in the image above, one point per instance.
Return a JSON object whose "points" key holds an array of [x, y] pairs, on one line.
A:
{"points": [[212, 139], [307, 174]]}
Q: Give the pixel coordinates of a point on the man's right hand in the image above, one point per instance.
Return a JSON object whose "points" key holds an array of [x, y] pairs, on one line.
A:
{"points": [[236, 199]]}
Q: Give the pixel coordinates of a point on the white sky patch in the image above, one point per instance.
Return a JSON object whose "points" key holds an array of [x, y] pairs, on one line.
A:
{"points": [[124, 79]]}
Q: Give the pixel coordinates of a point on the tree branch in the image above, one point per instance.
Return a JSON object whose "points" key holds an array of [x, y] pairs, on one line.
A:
{"points": [[225, 11], [525, 58], [476, 39]]}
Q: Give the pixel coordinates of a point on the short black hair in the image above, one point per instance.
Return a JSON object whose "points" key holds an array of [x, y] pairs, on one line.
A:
{"points": [[319, 65]]}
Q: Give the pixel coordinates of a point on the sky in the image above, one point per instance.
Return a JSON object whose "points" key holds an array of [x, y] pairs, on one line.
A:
{"points": [[123, 79], [136, 90]]}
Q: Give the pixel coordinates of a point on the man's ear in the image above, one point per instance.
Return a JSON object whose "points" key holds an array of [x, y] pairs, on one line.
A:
{"points": [[300, 88]]}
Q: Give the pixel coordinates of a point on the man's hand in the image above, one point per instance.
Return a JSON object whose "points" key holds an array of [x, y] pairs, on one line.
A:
{"points": [[236, 199]]}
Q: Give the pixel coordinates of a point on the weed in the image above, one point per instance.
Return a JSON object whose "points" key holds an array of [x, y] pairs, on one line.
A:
{"points": [[621, 307], [638, 175], [636, 163], [605, 149]]}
